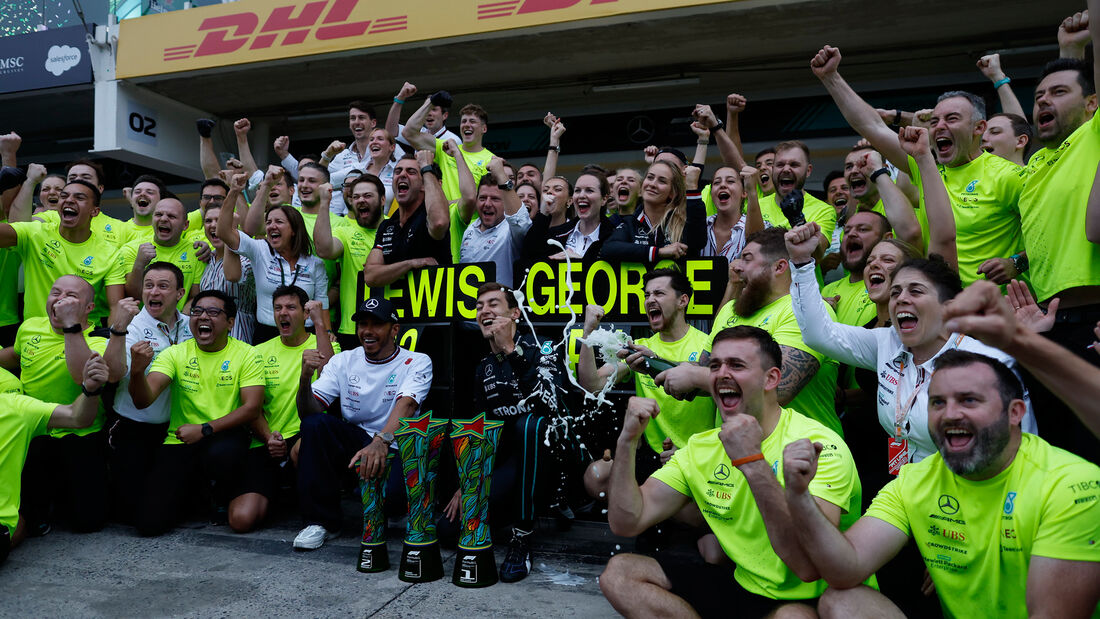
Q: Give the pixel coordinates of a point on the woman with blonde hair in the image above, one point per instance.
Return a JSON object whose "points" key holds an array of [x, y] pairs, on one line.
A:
{"points": [[672, 222]]}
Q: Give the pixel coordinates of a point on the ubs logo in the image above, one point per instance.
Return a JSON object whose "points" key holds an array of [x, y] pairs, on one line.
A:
{"points": [[948, 504], [721, 472]]}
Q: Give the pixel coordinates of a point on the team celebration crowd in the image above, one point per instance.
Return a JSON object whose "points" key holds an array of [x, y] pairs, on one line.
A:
{"points": [[895, 409]]}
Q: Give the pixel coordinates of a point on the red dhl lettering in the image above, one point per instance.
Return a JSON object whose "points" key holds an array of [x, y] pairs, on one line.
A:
{"points": [[226, 34], [509, 8]]}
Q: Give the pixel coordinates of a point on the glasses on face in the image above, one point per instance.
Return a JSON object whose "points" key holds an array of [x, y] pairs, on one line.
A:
{"points": [[212, 312], [206, 197]]}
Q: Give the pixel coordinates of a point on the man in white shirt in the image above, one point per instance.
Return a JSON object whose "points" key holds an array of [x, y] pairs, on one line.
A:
{"points": [[377, 384], [497, 235], [134, 434]]}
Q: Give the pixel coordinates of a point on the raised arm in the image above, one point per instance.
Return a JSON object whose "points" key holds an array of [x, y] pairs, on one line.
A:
{"points": [[68, 311], [729, 141], [844, 560], [241, 128], [899, 210], [589, 376], [941, 219], [436, 203], [861, 116], [327, 246], [227, 226], [115, 353], [23, 204], [701, 129], [393, 118], [1073, 35], [418, 139], [467, 186], [9, 146], [83, 411], [1094, 34], [557, 129], [252, 223], [990, 66], [630, 509], [145, 388], [754, 218]]}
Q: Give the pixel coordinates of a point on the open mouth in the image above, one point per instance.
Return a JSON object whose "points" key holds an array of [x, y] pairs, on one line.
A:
{"points": [[1044, 119], [402, 187], [164, 229], [853, 245], [369, 341], [841, 202], [764, 179], [284, 326], [907, 321], [944, 145], [957, 438], [654, 313], [729, 397], [204, 329], [69, 212], [724, 196], [273, 235], [786, 182], [623, 192], [858, 185], [876, 279], [142, 202]]}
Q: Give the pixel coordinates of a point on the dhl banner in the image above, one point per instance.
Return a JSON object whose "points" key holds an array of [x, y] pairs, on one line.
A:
{"points": [[257, 30], [444, 294]]}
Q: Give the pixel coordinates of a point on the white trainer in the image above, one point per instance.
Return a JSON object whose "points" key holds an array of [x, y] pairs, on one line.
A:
{"points": [[312, 537]]}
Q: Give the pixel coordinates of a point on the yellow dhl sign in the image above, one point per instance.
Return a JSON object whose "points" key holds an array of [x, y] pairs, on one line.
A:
{"points": [[259, 30]]}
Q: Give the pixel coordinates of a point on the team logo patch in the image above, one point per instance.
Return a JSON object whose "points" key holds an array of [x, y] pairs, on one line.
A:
{"points": [[225, 365], [948, 504], [88, 261], [183, 257], [547, 348], [970, 187], [353, 379], [1010, 503], [371, 303], [693, 356], [194, 362], [392, 379], [721, 472], [107, 228]]}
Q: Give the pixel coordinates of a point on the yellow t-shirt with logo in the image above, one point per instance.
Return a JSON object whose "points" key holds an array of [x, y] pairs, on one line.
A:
{"points": [[282, 367], [812, 209], [43, 371], [9, 299], [977, 537], [112, 230], [9, 383], [477, 163], [985, 197], [817, 398], [131, 232], [855, 306], [21, 419], [181, 254], [679, 419], [357, 242], [206, 385], [1056, 190], [702, 471], [46, 256]]}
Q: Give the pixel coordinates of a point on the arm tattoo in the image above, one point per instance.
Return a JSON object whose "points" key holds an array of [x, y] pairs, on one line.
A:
{"points": [[799, 367]]}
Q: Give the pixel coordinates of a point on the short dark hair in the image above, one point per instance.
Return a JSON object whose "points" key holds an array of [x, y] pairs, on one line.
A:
{"points": [[766, 151], [675, 152], [161, 265], [310, 156], [99, 173], [476, 110], [214, 182], [315, 166], [944, 278], [291, 291], [488, 287], [359, 104], [976, 102], [679, 282], [829, 178], [371, 179], [771, 242], [1020, 126], [881, 221], [96, 196], [769, 348], [228, 302], [162, 189], [1008, 384], [1083, 69]]}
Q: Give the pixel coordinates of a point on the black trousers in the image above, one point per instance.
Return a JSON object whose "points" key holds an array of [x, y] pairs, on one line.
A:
{"points": [[66, 478], [217, 460], [132, 449]]}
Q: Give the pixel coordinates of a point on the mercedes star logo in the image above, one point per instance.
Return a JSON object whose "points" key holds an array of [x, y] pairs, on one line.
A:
{"points": [[949, 504], [721, 472], [640, 130], [371, 303]]}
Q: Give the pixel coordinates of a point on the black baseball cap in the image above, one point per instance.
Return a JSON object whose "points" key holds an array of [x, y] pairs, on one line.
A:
{"points": [[380, 309], [443, 99]]}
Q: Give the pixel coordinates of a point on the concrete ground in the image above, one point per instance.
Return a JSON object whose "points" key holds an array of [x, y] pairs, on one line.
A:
{"points": [[205, 571]]}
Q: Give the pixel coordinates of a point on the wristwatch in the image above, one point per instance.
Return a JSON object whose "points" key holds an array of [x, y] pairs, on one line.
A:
{"points": [[387, 437], [509, 186], [73, 329], [207, 430], [879, 172], [432, 169], [1020, 262]]}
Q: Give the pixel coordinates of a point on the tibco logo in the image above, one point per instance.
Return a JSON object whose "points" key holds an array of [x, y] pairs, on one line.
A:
{"points": [[509, 8], [230, 33]]}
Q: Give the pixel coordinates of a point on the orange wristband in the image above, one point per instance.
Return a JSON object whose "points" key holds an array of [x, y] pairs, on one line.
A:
{"points": [[747, 459]]}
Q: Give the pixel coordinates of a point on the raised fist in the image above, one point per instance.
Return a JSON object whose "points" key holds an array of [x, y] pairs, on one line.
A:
{"points": [[242, 127], [914, 141], [826, 62], [735, 103], [407, 90]]}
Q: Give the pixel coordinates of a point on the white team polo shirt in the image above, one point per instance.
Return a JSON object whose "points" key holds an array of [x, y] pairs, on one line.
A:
{"points": [[500, 244], [369, 389]]}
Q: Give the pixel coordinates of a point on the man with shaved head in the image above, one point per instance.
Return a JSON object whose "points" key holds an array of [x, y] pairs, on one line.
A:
{"points": [[168, 245], [67, 468]]}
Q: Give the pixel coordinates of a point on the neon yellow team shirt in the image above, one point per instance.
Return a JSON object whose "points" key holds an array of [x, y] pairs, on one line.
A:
{"points": [[813, 209], [702, 471], [46, 255], [282, 366], [335, 223], [206, 385], [855, 306], [9, 383], [985, 197], [357, 242], [816, 400], [21, 419], [9, 298], [679, 419], [978, 537], [142, 234], [477, 163], [103, 225], [43, 371], [181, 254], [1052, 210]]}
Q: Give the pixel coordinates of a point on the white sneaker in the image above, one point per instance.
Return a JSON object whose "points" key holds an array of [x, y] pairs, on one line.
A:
{"points": [[312, 537]]}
